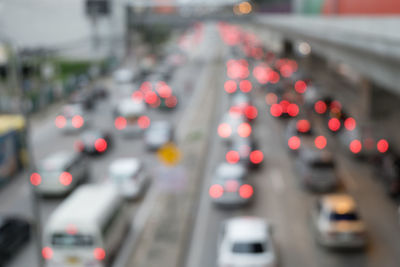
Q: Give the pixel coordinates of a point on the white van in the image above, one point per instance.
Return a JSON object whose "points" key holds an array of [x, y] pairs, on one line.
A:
{"points": [[86, 229]]}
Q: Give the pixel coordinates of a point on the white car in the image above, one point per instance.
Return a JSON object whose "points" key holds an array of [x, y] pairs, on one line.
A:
{"points": [[159, 134], [129, 176], [123, 75], [246, 241], [129, 115], [72, 118], [337, 224]]}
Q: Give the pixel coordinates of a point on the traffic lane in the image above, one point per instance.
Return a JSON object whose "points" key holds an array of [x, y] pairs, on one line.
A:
{"points": [[383, 234], [101, 119]]}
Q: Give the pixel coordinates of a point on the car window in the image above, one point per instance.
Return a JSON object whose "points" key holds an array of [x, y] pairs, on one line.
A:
{"points": [[249, 247], [67, 240], [351, 216]]}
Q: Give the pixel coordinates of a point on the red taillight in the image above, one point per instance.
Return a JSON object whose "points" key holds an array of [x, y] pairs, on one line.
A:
{"points": [[137, 96], [144, 122], [150, 97], [334, 124], [36, 179], [245, 86], [77, 121], [320, 142], [232, 157], [230, 86], [100, 145], [382, 145], [244, 130], [224, 130], [65, 178], [294, 142], [120, 123], [355, 146], [246, 191], [256, 157], [47, 253], [60, 121], [164, 91], [350, 124], [300, 87], [251, 112], [99, 254], [79, 146], [292, 110], [276, 110], [320, 107], [171, 101], [271, 99], [303, 126], [216, 191]]}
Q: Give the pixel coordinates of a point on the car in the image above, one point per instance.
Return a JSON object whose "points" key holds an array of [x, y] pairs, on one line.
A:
{"points": [[94, 142], [316, 169], [228, 186], [228, 129], [85, 98], [72, 118], [59, 173], [246, 241], [245, 152], [158, 134], [15, 232], [129, 176], [336, 222], [123, 75], [387, 169], [129, 117]]}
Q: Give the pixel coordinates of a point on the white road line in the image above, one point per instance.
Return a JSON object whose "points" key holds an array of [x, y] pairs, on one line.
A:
{"points": [[277, 181]]}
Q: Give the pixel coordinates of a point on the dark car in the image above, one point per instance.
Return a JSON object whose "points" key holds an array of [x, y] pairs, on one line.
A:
{"points": [[94, 142], [387, 169], [83, 97], [14, 234]]}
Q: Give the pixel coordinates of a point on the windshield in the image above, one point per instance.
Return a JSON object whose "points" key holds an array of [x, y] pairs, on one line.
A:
{"points": [[66, 240], [255, 247]]}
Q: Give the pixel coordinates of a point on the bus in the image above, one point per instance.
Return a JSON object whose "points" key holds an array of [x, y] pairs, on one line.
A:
{"points": [[13, 145], [87, 228]]}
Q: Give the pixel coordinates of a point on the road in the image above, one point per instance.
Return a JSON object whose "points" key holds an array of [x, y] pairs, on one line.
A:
{"points": [[15, 197], [280, 199], [278, 196]]}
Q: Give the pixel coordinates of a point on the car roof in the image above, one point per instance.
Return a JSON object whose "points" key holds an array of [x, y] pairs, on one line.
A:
{"points": [[232, 171], [57, 160], [341, 203], [246, 229], [125, 165], [128, 105], [312, 154]]}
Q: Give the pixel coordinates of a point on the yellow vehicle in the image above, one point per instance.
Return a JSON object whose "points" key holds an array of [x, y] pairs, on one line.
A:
{"points": [[13, 145]]}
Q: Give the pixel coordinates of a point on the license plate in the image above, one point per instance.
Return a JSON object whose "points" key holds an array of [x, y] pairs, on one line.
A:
{"points": [[73, 260]]}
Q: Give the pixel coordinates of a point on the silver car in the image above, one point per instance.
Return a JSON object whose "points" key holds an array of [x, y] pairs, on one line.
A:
{"points": [[337, 224], [316, 169], [229, 187]]}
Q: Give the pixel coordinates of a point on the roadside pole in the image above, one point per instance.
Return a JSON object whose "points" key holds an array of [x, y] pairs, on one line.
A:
{"points": [[35, 201]]}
